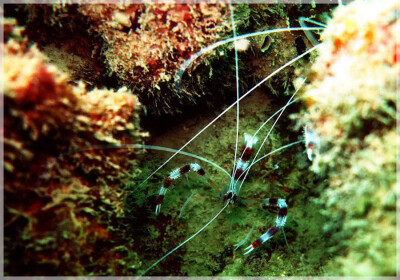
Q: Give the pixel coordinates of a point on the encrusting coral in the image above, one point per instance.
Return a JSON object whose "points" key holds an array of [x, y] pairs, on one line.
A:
{"points": [[145, 45], [62, 207], [351, 107], [140, 45]]}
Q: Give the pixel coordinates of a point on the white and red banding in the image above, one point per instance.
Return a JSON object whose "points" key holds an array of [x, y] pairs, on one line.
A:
{"points": [[175, 174]]}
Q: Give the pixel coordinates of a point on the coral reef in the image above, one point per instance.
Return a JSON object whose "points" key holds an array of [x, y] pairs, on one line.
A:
{"points": [[70, 211], [143, 46], [351, 107], [140, 45], [63, 209], [61, 32], [109, 227], [341, 218]]}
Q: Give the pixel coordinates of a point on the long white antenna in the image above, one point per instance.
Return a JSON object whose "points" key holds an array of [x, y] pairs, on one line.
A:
{"points": [[237, 89], [185, 65], [230, 106], [270, 153], [186, 241], [150, 147], [266, 137]]}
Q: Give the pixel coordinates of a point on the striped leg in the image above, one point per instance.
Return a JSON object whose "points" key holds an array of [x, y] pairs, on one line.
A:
{"points": [[177, 173], [279, 223], [241, 165], [246, 152]]}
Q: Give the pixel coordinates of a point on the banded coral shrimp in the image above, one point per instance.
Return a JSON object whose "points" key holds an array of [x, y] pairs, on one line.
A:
{"points": [[157, 236]]}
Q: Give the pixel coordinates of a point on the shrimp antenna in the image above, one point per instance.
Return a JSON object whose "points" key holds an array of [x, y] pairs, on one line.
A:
{"points": [[184, 242], [284, 236], [186, 64], [229, 107], [277, 150], [237, 88], [270, 153], [150, 147], [308, 33], [266, 137]]}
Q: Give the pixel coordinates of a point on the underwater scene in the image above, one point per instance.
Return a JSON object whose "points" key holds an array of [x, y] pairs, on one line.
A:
{"points": [[200, 139]]}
